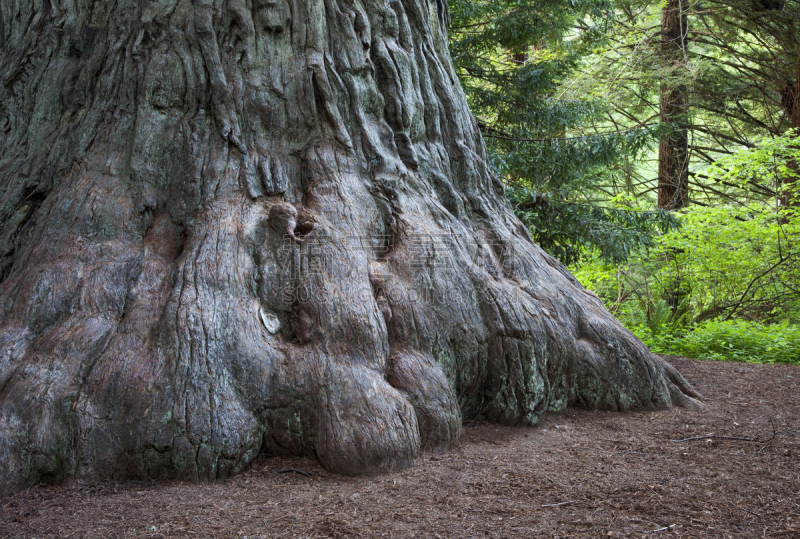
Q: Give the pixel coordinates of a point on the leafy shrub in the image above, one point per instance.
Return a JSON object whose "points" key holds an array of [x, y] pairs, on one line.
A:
{"points": [[729, 340], [715, 286], [725, 262], [570, 231], [730, 260]]}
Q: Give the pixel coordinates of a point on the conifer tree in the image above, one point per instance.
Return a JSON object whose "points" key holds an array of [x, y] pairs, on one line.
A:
{"points": [[513, 59]]}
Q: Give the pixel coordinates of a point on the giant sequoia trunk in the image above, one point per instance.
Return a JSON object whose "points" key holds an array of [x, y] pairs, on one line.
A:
{"points": [[238, 226]]}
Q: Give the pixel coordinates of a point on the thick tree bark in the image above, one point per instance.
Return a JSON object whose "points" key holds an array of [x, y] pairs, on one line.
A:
{"points": [[267, 225], [673, 150]]}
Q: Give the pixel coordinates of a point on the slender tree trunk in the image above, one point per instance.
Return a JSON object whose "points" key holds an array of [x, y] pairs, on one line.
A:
{"points": [[267, 226], [796, 100], [673, 151], [789, 194]]}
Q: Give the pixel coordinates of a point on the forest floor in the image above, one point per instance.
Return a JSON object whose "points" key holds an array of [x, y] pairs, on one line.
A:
{"points": [[732, 470]]}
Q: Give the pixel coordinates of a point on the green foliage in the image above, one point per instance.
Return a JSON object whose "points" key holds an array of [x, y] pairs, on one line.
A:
{"points": [[725, 284], [740, 68], [730, 340], [769, 165], [734, 261], [723, 262], [569, 230], [567, 97], [512, 57], [727, 261], [661, 319]]}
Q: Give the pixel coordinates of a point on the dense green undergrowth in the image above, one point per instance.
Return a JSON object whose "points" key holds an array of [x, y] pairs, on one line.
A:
{"points": [[725, 283], [724, 286], [730, 340], [572, 104]]}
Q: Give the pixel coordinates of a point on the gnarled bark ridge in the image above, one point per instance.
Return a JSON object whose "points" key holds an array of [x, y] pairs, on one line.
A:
{"points": [[267, 225]]}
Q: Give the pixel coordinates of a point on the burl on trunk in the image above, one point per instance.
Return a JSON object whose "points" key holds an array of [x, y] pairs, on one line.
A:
{"points": [[267, 226]]}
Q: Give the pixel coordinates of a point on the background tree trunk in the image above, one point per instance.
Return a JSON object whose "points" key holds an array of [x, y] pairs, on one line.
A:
{"points": [[267, 225], [796, 94], [673, 151], [788, 195]]}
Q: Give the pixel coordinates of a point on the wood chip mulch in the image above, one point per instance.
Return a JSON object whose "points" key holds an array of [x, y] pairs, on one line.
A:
{"points": [[578, 474]]}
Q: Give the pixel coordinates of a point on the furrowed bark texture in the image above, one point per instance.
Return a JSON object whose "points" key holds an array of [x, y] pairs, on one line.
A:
{"points": [[673, 149], [239, 226], [789, 194]]}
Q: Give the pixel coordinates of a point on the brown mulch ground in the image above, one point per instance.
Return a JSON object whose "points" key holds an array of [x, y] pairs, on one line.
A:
{"points": [[578, 474]]}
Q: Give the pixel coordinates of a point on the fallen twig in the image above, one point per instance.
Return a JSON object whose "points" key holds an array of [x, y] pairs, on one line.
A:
{"points": [[665, 528], [557, 504], [711, 437], [295, 470], [742, 439], [486, 511], [562, 485]]}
